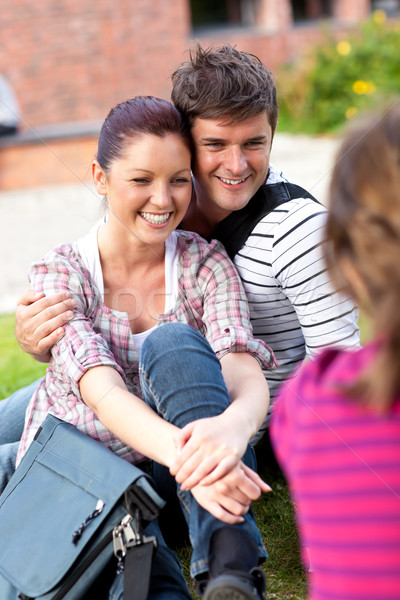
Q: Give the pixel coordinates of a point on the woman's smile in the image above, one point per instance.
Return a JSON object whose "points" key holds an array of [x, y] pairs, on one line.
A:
{"points": [[156, 218]]}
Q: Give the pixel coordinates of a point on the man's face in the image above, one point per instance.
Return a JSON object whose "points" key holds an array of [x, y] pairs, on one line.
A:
{"points": [[230, 163]]}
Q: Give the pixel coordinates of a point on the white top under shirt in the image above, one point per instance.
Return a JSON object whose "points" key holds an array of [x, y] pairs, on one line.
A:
{"points": [[89, 251]]}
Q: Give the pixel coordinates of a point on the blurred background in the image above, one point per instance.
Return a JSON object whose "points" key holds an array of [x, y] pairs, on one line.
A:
{"points": [[68, 62], [65, 63]]}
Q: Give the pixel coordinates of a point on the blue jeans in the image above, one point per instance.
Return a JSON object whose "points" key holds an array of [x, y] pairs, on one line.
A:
{"points": [[12, 418], [181, 380]]}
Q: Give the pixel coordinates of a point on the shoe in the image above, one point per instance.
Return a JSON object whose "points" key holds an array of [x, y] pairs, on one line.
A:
{"points": [[237, 585], [233, 562]]}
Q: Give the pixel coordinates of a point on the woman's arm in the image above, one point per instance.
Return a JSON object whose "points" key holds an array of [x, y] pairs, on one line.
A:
{"points": [[127, 416]]}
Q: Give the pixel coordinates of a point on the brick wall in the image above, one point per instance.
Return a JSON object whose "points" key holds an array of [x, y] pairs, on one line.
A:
{"points": [[71, 60]]}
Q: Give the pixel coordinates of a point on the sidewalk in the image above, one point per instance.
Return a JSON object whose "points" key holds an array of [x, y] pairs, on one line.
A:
{"points": [[33, 221]]}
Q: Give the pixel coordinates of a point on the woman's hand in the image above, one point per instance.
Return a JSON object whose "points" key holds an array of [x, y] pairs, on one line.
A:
{"points": [[207, 450], [229, 498]]}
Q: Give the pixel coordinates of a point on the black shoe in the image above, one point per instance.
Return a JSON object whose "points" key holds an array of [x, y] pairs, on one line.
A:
{"points": [[237, 585], [234, 573]]}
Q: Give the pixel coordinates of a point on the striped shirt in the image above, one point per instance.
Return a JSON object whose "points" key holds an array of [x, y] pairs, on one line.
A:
{"points": [[293, 305], [342, 463], [210, 298]]}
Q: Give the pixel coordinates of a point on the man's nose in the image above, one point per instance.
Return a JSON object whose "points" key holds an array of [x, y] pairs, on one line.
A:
{"points": [[236, 161]]}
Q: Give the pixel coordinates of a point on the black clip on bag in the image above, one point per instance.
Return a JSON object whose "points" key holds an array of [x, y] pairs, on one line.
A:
{"points": [[71, 510]]}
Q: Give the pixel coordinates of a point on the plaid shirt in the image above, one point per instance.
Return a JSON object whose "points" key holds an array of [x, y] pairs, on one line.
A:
{"points": [[210, 299]]}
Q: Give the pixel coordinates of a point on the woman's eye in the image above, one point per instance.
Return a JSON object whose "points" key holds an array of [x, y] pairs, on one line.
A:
{"points": [[181, 180], [140, 180]]}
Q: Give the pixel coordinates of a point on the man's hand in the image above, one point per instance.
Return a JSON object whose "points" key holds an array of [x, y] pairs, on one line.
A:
{"points": [[39, 321]]}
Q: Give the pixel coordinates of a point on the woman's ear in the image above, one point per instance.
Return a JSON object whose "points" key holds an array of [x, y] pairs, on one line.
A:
{"points": [[99, 178]]}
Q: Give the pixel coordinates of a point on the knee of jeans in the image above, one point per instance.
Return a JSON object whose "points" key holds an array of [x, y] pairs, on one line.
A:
{"points": [[167, 341], [168, 336]]}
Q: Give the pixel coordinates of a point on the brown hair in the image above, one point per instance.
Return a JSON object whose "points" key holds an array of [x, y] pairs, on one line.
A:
{"points": [[139, 115], [364, 229], [224, 82]]}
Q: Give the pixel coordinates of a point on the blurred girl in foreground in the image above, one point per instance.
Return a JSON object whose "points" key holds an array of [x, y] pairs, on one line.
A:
{"points": [[337, 424]]}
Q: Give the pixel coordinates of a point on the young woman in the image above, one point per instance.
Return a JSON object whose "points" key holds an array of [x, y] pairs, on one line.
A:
{"points": [[197, 394], [336, 427]]}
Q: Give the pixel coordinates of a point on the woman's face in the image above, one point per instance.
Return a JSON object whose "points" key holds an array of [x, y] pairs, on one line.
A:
{"points": [[148, 188]]}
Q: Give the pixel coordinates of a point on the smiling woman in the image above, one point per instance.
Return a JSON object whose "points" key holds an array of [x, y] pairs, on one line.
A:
{"points": [[147, 185], [159, 361]]}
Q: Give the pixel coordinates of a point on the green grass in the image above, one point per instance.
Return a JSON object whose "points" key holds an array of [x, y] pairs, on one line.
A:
{"points": [[274, 511], [16, 368]]}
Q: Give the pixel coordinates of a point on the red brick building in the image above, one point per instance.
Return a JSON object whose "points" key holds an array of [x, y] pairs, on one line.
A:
{"points": [[69, 61]]}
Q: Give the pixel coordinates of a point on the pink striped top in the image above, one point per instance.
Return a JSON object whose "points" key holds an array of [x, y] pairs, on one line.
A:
{"points": [[342, 462]]}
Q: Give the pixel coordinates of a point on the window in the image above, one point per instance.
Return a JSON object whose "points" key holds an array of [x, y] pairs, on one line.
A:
{"points": [[305, 10], [391, 7], [207, 14]]}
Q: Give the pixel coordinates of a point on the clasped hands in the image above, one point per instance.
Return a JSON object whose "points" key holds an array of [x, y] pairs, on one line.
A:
{"points": [[208, 463]]}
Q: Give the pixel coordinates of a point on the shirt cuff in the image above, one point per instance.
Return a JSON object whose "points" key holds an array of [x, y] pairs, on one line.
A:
{"points": [[235, 339]]}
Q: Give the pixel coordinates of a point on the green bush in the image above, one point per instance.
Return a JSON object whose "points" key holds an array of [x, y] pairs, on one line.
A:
{"points": [[335, 81]]}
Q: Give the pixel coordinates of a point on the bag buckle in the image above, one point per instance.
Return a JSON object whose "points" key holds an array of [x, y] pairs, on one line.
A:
{"points": [[129, 534]]}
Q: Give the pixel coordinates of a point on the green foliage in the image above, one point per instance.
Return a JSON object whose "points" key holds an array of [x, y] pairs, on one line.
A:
{"points": [[335, 81], [16, 368]]}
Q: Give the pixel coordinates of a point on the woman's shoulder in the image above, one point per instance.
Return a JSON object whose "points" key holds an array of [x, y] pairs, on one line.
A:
{"points": [[62, 264], [61, 253]]}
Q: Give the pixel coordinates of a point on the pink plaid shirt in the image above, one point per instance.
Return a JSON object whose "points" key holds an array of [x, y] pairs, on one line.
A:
{"points": [[210, 299]]}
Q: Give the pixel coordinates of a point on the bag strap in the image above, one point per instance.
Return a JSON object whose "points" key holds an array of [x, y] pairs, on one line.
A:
{"points": [[137, 571], [236, 228], [134, 552]]}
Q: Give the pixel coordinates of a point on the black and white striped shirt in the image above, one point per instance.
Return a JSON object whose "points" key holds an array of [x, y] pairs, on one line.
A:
{"points": [[293, 305]]}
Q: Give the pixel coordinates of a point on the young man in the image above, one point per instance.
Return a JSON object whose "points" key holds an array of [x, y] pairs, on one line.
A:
{"points": [[273, 231]]}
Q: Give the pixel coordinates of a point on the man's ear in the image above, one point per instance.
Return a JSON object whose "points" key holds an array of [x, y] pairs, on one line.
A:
{"points": [[99, 178]]}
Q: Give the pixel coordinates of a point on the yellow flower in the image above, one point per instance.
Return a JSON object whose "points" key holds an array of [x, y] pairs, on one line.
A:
{"points": [[343, 48], [351, 112], [379, 16], [360, 87]]}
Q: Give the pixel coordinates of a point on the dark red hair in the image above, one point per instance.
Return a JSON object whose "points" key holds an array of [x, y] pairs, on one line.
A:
{"points": [[139, 115]]}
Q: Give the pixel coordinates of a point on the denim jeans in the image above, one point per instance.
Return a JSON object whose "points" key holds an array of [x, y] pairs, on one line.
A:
{"points": [[12, 418], [181, 379]]}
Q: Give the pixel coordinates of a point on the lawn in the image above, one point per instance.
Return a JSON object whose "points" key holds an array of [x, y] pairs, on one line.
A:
{"points": [[274, 511]]}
